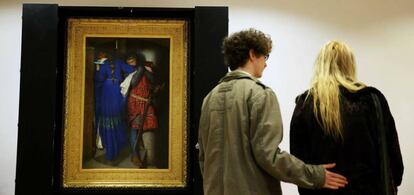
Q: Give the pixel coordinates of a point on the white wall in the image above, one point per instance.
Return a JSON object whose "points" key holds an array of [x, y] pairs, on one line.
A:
{"points": [[380, 32], [10, 40]]}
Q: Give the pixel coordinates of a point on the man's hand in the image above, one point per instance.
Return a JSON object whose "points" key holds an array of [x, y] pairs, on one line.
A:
{"points": [[333, 180]]}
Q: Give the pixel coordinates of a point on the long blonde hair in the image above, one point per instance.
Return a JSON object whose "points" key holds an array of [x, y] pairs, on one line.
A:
{"points": [[334, 67]]}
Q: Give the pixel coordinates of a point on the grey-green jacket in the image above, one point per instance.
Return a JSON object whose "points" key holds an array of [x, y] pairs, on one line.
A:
{"points": [[239, 134]]}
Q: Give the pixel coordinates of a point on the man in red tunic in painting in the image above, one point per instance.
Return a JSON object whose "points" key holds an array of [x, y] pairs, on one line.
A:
{"points": [[141, 114], [139, 97]]}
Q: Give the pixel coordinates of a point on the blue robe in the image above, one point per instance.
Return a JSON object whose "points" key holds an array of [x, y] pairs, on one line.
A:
{"points": [[110, 106]]}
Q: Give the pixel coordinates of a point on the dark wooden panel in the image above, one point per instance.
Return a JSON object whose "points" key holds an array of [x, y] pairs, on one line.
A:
{"points": [[211, 26], [37, 100]]}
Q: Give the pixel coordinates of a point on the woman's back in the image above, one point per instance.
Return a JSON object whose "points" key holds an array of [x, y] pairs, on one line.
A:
{"points": [[356, 154]]}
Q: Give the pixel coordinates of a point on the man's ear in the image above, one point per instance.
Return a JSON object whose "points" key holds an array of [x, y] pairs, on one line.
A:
{"points": [[252, 56]]}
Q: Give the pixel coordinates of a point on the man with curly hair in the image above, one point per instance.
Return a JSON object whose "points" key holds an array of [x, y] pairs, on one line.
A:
{"points": [[241, 129]]}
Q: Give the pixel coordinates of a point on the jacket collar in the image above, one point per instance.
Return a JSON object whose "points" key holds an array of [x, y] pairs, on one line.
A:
{"points": [[236, 74]]}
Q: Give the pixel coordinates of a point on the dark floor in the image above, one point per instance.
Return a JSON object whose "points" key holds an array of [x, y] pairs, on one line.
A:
{"points": [[99, 161]]}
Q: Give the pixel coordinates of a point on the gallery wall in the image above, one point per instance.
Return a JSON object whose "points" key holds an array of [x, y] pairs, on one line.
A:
{"points": [[379, 31]]}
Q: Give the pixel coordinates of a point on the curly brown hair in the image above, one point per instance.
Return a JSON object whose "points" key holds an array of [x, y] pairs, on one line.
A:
{"points": [[236, 47]]}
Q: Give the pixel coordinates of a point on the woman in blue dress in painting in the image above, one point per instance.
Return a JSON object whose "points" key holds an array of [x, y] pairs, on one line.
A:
{"points": [[110, 104]]}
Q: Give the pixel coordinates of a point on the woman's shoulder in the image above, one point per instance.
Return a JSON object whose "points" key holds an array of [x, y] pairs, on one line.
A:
{"points": [[372, 90], [302, 97], [367, 91], [364, 94]]}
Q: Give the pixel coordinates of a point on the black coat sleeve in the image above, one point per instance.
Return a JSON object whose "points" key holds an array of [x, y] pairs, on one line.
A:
{"points": [[298, 127], [299, 137], [394, 152]]}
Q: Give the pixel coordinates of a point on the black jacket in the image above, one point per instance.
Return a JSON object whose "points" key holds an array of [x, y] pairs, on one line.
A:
{"points": [[356, 157]]}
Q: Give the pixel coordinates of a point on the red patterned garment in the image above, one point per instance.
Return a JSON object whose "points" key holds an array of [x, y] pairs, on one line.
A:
{"points": [[137, 99]]}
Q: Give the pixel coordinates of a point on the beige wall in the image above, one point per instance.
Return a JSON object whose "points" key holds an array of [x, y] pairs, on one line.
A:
{"points": [[380, 32]]}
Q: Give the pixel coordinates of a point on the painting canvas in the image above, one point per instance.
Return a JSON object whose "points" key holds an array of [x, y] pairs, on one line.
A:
{"points": [[125, 103]]}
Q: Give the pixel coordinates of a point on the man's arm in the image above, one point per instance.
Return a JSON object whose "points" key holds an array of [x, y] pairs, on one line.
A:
{"points": [[266, 135], [203, 126]]}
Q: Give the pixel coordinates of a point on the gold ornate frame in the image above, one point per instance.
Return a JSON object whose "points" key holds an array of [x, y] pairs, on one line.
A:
{"points": [[74, 176]]}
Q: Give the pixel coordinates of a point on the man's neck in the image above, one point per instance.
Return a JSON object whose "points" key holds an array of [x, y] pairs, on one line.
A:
{"points": [[246, 69]]}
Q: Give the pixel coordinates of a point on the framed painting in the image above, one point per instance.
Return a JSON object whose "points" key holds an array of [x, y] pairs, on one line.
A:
{"points": [[125, 103], [66, 143]]}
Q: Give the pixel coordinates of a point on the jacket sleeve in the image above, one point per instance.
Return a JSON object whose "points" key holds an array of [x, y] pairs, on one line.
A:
{"points": [[394, 152], [203, 126], [266, 135]]}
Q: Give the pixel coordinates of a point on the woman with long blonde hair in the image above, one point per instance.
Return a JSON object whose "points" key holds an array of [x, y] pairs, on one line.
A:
{"points": [[335, 121]]}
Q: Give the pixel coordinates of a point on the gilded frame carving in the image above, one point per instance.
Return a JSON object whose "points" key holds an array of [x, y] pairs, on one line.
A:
{"points": [[74, 174]]}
